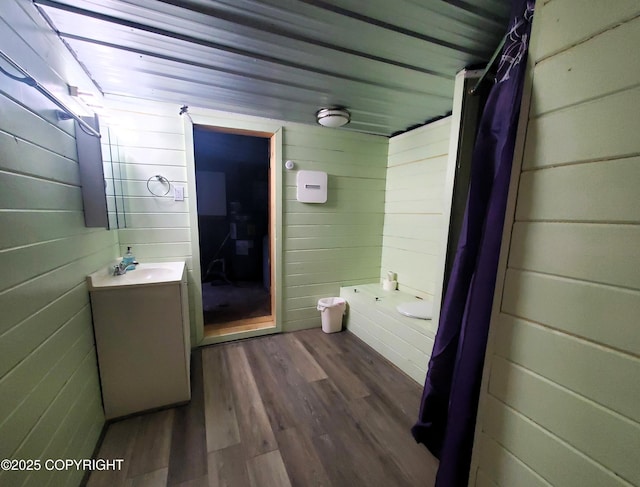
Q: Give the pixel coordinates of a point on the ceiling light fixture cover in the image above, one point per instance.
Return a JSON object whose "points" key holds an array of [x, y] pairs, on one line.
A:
{"points": [[333, 117]]}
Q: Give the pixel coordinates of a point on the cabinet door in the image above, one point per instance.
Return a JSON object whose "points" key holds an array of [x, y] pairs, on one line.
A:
{"points": [[141, 349]]}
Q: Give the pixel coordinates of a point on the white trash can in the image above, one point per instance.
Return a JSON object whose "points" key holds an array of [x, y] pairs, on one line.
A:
{"points": [[331, 311]]}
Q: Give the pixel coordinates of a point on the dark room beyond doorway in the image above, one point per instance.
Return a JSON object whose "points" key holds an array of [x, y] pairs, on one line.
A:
{"points": [[232, 186]]}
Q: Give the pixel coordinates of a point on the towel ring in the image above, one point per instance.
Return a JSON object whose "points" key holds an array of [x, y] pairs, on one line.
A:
{"points": [[163, 180]]}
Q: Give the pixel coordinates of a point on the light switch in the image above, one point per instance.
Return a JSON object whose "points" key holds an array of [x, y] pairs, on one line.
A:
{"points": [[178, 193]]}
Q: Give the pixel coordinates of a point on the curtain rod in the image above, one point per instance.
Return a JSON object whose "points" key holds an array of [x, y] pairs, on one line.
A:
{"points": [[31, 81], [491, 62]]}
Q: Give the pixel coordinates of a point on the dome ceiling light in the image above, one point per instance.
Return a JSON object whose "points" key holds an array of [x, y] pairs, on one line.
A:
{"points": [[333, 117]]}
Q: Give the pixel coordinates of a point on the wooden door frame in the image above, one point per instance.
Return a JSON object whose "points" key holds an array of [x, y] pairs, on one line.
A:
{"points": [[256, 128]]}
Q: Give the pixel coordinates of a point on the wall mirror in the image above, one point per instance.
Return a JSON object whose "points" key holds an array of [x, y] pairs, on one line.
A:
{"points": [[115, 180]]}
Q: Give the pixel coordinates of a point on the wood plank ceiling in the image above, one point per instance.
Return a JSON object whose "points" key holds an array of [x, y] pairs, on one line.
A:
{"points": [[392, 63]]}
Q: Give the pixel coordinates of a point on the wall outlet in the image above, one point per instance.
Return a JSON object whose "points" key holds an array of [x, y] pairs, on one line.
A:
{"points": [[178, 193]]}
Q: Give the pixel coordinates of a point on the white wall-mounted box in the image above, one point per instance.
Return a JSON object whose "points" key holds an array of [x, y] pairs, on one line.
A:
{"points": [[312, 186]]}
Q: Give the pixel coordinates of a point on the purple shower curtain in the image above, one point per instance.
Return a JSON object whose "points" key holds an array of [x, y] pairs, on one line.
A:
{"points": [[448, 411]]}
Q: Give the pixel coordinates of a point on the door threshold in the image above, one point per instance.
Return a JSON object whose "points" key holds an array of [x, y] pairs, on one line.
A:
{"points": [[239, 326]]}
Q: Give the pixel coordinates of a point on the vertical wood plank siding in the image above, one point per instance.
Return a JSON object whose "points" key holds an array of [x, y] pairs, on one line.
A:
{"points": [[51, 404], [559, 404]]}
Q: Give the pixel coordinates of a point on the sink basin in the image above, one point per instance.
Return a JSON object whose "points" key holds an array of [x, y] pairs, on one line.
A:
{"points": [[144, 275], [148, 274]]}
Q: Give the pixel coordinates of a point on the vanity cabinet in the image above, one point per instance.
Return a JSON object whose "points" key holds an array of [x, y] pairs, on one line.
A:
{"points": [[141, 326]]}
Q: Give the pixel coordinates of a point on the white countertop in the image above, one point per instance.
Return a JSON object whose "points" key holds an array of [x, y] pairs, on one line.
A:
{"points": [[145, 274]]}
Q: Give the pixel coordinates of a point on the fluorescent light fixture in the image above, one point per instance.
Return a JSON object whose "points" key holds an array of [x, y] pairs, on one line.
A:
{"points": [[333, 117]]}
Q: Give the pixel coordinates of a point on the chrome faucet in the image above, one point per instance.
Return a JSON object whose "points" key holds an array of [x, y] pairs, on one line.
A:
{"points": [[122, 268]]}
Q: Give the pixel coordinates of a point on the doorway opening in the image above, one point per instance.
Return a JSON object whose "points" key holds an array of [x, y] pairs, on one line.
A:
{"points": [[233, 189]]}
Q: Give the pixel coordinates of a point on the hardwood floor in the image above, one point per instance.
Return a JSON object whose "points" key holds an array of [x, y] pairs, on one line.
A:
{"points": [[296, 409]]}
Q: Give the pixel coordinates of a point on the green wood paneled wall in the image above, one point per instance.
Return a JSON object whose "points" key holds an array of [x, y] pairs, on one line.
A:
{"points": [[414, 206], [338, 243], [324, 245], [51, 405], [414, 203], [561, 389], [372, 316], [147, 139]]}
